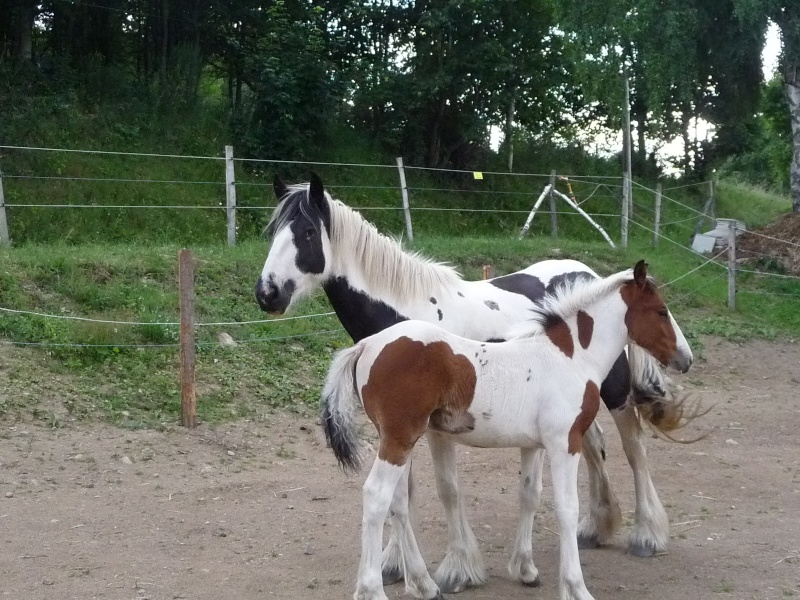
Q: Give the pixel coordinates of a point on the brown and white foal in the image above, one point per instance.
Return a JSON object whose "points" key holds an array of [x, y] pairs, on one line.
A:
{"points": [[539, 389]]}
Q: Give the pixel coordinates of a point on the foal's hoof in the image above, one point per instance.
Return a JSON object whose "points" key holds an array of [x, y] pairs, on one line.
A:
{"points": [[588, 542], [535, 583], [642, 550], [392, 575], [439, 596], [452, 587]]}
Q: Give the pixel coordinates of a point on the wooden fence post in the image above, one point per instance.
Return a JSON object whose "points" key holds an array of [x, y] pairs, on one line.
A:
{"points": [[186, 291], [732, 264], [230, 195], [625, 200], [404, 191], [547, 189], [713, 199], [4, 239], [657, 221], [553, 217]]}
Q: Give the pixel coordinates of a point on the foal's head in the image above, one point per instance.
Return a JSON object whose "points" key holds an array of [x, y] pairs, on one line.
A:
{"points": [[649, 322], [299, 255]]}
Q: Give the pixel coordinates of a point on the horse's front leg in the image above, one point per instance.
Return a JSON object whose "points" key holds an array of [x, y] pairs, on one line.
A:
{"points": [[378, 492], [564, 473], [604, 516], [521, 565], [463, 565], [651, 530]]}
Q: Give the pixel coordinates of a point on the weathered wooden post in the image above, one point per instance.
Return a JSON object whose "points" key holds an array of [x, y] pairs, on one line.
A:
{"points": [[186, 291], [732, 264], [230, 195], [624, 224], [657, 221], [404, 191], [553, 217], [4, 239]]}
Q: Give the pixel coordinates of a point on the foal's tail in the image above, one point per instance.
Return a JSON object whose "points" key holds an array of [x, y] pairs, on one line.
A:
{"points": [[339, 402], [655, 404]]}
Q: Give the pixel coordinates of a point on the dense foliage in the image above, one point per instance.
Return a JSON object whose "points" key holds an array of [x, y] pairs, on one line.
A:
{"points": [[426, 79]]}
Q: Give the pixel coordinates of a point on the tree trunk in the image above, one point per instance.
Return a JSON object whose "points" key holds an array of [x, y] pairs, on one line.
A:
{"points": [[509, 132], [793, 98], [27, 16], [164, 38]]}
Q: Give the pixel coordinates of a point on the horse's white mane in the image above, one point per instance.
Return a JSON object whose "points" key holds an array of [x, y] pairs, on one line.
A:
{"points": [[568, 299], [387, 267]]}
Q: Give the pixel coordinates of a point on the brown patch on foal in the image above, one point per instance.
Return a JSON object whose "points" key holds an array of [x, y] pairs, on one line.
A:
{"points": [[412, 386], [585, 329], [589, 408], [558, 332]]}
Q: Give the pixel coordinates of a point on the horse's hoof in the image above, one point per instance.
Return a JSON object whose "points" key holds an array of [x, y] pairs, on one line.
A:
{"points": [[642, 550], [588, 542], [439, 596], [392, 575], [535, 583], [451, 587]]}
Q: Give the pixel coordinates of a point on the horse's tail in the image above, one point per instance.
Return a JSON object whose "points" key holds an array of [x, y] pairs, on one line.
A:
{"points": [[339, 401], [650, 394]]}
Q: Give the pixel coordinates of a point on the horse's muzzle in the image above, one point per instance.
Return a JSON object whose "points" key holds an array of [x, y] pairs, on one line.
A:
{"points": [[681, 362], [272, 298]]}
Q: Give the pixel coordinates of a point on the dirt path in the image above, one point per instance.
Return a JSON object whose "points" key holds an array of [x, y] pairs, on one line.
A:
{"points": [[258, 510]]}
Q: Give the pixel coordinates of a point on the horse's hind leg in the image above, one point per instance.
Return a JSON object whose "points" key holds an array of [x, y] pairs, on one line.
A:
{"points": [[462, 565], [521, 565], [604, 517], [418, 581], [378, 492], [392, 561], [651, 530]]}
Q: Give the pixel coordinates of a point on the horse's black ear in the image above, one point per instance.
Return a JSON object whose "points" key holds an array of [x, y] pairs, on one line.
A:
{"points": [[640, 273], [280, 188], [316, 190]]}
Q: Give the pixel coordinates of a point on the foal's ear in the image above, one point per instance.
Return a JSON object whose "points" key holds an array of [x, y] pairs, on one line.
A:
{"points": [[316, 191], [640, 273], [280, 188]]}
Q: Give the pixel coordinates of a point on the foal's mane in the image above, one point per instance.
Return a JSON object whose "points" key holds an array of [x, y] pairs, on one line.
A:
{"points": [[568, 298], [387, 268]]}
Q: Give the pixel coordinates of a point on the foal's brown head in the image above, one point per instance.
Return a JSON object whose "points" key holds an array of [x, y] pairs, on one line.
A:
{"points": [[648, 320]]}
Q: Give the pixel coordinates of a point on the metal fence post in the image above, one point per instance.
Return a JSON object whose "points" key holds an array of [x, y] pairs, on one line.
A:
{"points": [[404, 190], [186, 293], [732, 264], [624, 225], [4, 239], [553, 217], [230, 195], [657, 221]]}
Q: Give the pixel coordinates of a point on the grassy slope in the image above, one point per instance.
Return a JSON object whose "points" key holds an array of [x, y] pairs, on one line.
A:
{"points": [[59, 265]]}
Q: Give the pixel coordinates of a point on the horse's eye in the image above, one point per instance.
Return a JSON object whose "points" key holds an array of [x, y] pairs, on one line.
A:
{"points": [[309, 234], [663, 313]]}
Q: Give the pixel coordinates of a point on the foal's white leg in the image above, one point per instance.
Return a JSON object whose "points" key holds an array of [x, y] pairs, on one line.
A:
{"points": [[392, 561], [651, 531], [564, 473], [378, 492], [604, 516], [462, 566], [521, 565], [418, 581]]}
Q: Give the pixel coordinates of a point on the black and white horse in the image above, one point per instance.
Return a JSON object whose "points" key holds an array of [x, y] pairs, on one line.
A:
{"points": [[372, 283]]}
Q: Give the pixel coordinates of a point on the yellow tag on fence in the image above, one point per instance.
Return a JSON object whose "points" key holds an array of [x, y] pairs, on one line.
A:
{"points": [[477, 175]]}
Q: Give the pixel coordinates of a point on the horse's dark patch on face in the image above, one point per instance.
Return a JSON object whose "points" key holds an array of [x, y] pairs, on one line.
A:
{"points": [[460, 294], [519, 283], [491, 304], [433, 300], [440, 313], [360, 314], [495, 340], [307, 214]]}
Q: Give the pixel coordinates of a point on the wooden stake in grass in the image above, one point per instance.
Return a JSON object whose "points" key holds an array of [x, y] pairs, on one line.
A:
{"points": [[186, 291]]}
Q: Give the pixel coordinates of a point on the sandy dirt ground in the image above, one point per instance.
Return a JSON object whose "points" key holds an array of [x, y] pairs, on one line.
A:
{"points": [[259, 510]]}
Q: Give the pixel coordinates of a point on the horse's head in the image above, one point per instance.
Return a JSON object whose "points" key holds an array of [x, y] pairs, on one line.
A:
{"points": [[298, 259], [650, 324]]}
